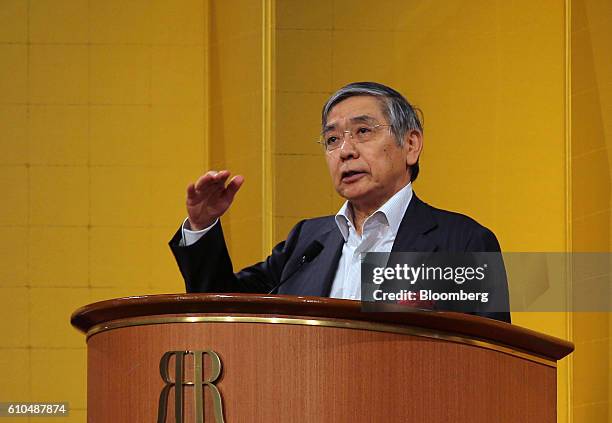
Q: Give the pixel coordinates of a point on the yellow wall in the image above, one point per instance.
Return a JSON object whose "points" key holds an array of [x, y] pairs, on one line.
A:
{"points": [[591, 122], [236, 116], [108, 109], [102, 125]]}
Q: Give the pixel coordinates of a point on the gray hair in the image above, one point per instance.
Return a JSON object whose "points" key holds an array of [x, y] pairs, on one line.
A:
{"points": [[402, 116]]}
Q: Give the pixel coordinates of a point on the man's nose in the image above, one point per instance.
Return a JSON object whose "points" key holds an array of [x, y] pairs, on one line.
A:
{"points": [[348, 148]]}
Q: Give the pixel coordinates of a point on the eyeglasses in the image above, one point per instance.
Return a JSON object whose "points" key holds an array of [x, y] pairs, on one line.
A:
{"points": [[334, 138]]}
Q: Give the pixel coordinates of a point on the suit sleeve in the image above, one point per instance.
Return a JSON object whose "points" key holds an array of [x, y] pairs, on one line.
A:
{"points": [[498, 306], [207, 267]]}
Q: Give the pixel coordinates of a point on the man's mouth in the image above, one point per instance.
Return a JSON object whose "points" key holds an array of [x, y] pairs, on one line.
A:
{"points": [[350, 176]]}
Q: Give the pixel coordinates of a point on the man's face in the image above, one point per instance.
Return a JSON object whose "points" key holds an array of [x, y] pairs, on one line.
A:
{"points": [[368, 174]]}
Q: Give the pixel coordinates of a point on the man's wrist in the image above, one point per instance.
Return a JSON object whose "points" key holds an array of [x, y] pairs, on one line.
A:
{"points": [[190, 236], [198, 227]]}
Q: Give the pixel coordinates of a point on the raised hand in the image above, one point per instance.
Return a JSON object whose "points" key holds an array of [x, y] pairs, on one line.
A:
{"points": [[209, 197]]}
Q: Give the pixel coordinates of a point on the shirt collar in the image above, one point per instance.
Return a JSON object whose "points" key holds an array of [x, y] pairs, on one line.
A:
{"points": [[393, 210]]}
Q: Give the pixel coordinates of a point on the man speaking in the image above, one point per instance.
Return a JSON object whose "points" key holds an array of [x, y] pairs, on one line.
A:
{"points": [[372, 138]]}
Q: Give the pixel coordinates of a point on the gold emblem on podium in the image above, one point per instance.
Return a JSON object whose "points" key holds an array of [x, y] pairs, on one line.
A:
{"points": [[198, 383]]}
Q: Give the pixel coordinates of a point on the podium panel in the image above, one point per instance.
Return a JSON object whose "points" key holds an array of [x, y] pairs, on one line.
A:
{"points": [[238, 358]]}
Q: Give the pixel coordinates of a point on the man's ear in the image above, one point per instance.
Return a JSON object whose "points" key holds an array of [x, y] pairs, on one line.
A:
{"points": [[413, 144]]}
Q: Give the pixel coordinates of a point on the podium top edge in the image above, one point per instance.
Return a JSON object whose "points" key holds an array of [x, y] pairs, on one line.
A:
{"points": [[461, 324]]}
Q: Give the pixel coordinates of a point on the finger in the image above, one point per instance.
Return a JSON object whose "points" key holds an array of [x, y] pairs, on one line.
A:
{"points": [[199, 197], [194, 196], [209, 193], [221, 177], [204, 187], [222, 174], [211, 178], [206, 179], [233, 186], [191, 191]]}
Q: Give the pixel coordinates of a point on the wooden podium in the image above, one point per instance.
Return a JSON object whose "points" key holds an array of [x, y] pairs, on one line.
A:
{"points": [[273, 358]]}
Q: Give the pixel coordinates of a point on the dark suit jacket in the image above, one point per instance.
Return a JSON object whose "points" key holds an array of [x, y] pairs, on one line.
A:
{"points": [[207, 267]]}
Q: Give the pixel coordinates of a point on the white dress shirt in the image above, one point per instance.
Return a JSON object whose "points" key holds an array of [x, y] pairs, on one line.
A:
{"points": [[378, 235]]}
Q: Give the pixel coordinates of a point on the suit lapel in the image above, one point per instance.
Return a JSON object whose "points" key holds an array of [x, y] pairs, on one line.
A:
{"points": [[333, 243], [412, 234], [316, 277]]}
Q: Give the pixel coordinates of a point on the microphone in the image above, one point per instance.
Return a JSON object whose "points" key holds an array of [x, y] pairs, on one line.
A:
{"points": [[310, 253]]}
